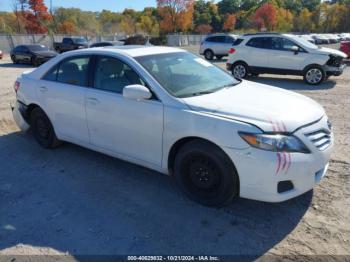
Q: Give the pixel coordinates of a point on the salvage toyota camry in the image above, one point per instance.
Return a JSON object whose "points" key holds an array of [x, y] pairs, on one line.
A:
{"points": [[171, 111]]}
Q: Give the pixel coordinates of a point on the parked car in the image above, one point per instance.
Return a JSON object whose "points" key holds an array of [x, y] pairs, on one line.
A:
{"points": [[284, 54], [308, 38], [169, 110], [1, 54], [216, 45], [102, 44], [345, 47], [320, 40], [34, 54], [70, 43]]}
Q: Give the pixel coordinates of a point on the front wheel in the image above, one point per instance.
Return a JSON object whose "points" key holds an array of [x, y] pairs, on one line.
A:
{"points": [[240, 70], [205, 173], [314, 75], [42, 129], [14, 59]]}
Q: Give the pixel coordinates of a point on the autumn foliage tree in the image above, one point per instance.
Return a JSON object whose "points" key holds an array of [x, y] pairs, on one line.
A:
{"points": [[176, 15], [204, 29], [229, 22], [265, 17], [37, 17]]}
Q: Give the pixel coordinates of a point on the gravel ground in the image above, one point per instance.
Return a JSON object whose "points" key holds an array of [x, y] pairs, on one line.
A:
{"points": [[75, 201]]}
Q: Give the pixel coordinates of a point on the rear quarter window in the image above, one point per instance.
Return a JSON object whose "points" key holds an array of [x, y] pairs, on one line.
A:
{"points": [[238, 41]]}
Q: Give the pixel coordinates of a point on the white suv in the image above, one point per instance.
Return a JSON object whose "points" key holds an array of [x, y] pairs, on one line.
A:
{"points": [[253, 54]]}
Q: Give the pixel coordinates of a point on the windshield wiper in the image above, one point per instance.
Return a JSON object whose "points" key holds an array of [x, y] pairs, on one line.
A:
{"points": [[196, 94]]}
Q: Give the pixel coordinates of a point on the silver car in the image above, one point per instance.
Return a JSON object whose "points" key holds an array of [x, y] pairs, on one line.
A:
{"points": [[217, 45]]}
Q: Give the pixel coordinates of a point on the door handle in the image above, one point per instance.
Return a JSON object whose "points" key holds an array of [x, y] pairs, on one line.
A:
{"points": [[43, 89], [93, 100]]}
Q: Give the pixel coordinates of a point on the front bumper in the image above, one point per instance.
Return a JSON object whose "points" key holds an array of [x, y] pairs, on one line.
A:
{"points": [[261, 172], [335, 70], [18, 113]]}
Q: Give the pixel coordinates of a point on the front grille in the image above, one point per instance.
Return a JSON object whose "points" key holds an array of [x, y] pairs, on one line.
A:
{"points": [[320, 138]]}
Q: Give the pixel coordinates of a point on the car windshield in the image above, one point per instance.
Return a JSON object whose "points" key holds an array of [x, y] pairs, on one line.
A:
{"points": [[305, 42], [183, 74], [79, 40], [35, 48]]}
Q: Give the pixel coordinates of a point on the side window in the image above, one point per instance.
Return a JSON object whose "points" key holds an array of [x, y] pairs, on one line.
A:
{"points": [[276, 43], [113, 75], [260, 42], [221, 39], [230, 40], [211, 39], [51, 75], [74, 71], [238, 41], [67, 41], [287, 44]]}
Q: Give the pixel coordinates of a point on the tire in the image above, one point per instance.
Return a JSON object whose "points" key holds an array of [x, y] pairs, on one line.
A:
{"points": [[205, 173], [35, 62], [42, 129], [219, 57], [240, 70], [208, 54], [314, 75], [14, 60]]}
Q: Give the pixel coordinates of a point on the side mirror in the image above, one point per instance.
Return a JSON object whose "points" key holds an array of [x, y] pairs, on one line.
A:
{"points": [[295, 49], [136, 92]]}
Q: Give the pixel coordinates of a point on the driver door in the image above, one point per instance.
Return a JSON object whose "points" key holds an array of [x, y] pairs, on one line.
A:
{"points": [[283, 57], [124, 126]]}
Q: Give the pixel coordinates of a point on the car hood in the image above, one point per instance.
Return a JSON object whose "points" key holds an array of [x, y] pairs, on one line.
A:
{"points": [[330, 51], [267, 107], [45, 53]]}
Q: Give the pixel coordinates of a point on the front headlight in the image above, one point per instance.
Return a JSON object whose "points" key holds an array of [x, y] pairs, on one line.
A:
{"points": [[275, 142]]}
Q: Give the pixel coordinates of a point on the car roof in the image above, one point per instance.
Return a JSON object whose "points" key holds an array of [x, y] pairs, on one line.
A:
{"points": [[135, 50]]}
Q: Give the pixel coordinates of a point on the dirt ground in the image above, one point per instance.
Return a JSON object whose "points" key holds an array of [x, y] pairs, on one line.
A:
{"points": [[75, 201]]}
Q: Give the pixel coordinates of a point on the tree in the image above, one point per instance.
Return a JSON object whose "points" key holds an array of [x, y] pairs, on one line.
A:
{"points": [[67, 27], [303, 22], [37, 17], [284, 20], [204, 29], [249, 4], [265, 17], [228, 6], [294, 6], [229, 22], [310, 4], [175, 15]]}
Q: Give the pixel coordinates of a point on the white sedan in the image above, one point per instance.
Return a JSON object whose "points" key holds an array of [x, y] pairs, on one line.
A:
{"points": [[171, 111]]}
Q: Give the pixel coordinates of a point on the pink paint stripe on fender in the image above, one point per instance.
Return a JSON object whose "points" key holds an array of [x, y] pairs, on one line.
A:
{"points": [[278, 162]]}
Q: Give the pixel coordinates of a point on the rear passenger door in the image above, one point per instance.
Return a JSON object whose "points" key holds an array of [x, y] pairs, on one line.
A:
{"points": [[256, 52], [62, 95]]}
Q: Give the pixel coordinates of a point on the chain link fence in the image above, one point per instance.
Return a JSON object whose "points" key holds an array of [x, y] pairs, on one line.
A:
{"points": [[7, 42]]}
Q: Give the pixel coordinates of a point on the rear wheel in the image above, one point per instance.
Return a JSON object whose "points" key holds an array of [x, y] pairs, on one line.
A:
{"points": [[206, 174], [314, 75], [240, 70], [42, 129], [34, 61], [208, 54]]}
